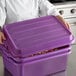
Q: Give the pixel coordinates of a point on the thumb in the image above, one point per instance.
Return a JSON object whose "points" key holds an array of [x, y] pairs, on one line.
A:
{"points": [[3, 37], [1, 40]]}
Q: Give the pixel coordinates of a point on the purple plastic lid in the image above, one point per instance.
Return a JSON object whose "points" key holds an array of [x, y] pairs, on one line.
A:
{"points": [[35, 35]]}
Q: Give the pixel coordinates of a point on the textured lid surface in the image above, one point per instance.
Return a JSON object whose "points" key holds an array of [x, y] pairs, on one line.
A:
{"points": [[38, 34]]}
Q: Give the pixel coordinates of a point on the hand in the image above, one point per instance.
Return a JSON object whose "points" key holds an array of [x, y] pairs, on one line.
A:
{"points": [[2, 37], [68, 25], [63, 21]]}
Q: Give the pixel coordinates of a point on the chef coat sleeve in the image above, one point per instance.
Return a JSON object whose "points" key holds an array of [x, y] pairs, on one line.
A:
{"points": [[2, 13], [47, 8]]}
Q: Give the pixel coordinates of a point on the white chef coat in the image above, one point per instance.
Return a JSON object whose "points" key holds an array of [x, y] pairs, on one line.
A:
{"points": [[18, 10]]}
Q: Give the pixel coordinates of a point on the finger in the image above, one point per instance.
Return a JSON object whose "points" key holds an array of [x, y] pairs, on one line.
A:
{"points": [[68, 25], [1, 40], [3, 37]]}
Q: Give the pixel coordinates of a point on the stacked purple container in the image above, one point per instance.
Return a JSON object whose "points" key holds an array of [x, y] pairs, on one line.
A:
{"points": [[26, 39]]}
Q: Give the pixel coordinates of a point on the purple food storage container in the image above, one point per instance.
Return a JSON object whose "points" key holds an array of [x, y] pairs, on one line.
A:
{"points": [[36, 47], [32, 36], [61, 73], [51, 64]]}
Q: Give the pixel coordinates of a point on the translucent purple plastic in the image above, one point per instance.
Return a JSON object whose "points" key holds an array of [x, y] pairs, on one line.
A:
{"points": [[35, 35], [48, 66], [32, 36]]}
